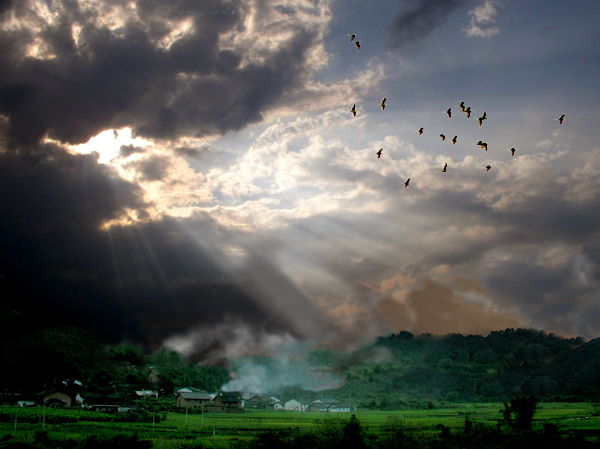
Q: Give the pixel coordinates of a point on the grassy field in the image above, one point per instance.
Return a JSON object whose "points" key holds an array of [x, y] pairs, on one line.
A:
{"points": [[217, 430]]}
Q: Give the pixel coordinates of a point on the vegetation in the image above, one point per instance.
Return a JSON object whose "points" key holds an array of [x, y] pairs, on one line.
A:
{"points": [[398, 371], [413, 371], [463, 426]]}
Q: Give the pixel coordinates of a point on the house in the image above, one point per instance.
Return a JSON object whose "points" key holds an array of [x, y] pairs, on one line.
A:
{"points": [[60, 399], [189, 390], [261, 402], [228, 402], [317, 406], [26, 403], [339, 408], [146, 393], [193, 399], [154, 375], [296, 405], [329, 401], [105, 408], [95, 399]]}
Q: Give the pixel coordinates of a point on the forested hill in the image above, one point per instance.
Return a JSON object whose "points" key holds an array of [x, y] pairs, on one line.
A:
{"points": [[404, 369], [393, 372]]}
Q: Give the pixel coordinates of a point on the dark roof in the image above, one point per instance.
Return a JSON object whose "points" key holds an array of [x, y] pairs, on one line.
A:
{"points": [[261, 399], [329, 401], [195, 396], [229, 396], [318, 405], [192, 389]]}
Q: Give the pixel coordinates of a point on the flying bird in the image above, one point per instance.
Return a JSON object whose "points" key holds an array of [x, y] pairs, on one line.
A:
{"points": [[482, 118], [462, 106], [468, 111], [560, 119], [383, 104], [482, 144], [352, 36], [445, 166], [487, 167], [443, 137], [449, 112], [357, 45], [420, 131], [353, 110], [406, 183], [379, 153], [454, 140], [512, 151]]}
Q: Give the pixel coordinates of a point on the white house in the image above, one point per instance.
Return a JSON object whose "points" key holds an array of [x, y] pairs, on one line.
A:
{"points": [[339, 408], [295, 405]]}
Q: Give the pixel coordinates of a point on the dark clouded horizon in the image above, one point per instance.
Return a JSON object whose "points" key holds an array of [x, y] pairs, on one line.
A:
{"points": [[189, 173]]}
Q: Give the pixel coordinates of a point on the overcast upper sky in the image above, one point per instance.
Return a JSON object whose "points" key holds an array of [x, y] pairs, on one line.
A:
{"points": [[189, 173]]}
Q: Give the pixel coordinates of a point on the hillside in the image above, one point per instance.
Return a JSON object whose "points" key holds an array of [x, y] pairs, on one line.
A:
{"points": [[395, 371], [403, 370]]}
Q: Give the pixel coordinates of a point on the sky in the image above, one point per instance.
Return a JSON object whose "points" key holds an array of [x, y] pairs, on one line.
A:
{"points": [[187, 173]]}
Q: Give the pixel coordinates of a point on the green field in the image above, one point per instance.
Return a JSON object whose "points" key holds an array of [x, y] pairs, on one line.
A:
{"points": [[218, 430]]}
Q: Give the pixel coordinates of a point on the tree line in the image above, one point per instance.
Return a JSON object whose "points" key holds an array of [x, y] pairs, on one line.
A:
{"points": [[396, 371]]}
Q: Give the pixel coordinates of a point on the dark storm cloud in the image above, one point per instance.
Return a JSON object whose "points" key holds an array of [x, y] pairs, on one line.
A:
{"points": [[145, 281], [125, 77], [52, 206], [153, 168], [421, 19], [128, 150], [192, 152], [5, 5]]}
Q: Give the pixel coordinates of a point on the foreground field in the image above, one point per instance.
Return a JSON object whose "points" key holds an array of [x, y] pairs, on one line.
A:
{"points": [[219, 430]]}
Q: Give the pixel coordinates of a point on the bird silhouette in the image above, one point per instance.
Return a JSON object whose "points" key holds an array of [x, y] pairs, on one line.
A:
{"points": [[560, 119], [512, 151], [444, 169], [379, 153], [357, 45], [420, 131], [454, 140], [352, 37], [353, 110], [468, 111], [482, 144], [462, 106], [449, 112], [487, 167], [406, 183], [443, 137], [482, 118], [383, 104]]}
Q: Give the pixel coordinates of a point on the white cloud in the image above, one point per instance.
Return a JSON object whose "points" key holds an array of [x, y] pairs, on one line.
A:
{"points": [[482, 18]]}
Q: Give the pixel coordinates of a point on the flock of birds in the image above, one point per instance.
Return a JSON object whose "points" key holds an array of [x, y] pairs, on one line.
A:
{"points": [[465, 109]]}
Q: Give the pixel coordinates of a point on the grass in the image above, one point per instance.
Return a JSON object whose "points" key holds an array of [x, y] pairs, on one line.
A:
{"points": [[198, 430]]}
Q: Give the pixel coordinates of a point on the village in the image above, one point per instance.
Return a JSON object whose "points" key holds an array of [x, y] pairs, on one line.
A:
{"points": [[125, 398]]}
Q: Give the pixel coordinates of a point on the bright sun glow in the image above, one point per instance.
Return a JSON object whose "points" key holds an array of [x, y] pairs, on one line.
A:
{"points": [[108, 144]]}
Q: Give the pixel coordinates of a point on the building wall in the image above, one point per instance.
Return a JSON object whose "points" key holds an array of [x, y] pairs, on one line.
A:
{"points": [[60, 396]]}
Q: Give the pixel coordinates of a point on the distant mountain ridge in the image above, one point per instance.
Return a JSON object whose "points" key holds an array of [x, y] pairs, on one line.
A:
{"points": [[405, 370]]}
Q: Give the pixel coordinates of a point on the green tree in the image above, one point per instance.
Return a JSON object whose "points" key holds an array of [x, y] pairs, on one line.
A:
{"points": [[519, 413], [353, 437]]}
